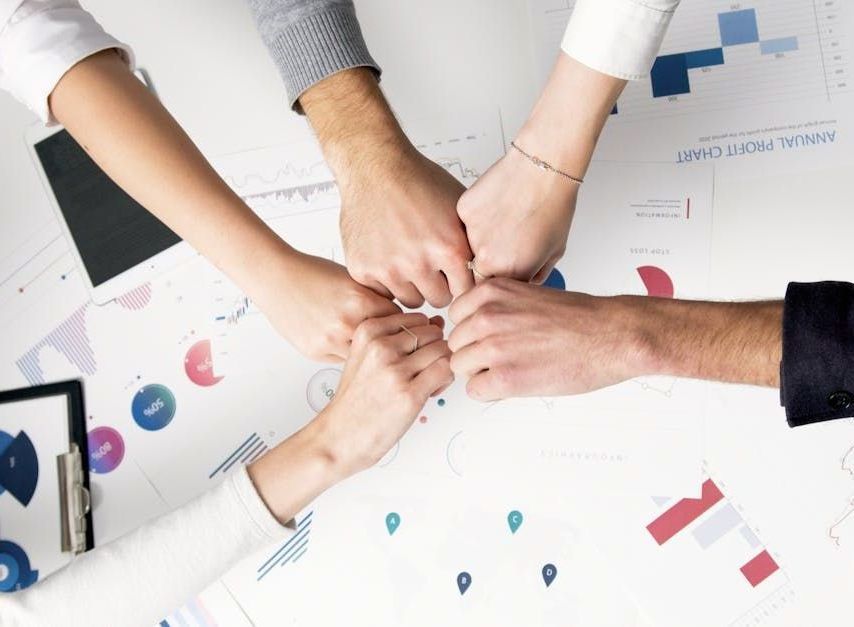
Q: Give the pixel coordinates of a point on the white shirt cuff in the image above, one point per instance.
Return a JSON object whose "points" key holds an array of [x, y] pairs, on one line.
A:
{"points": [[620, 38], [255, 507], [37, 49]]}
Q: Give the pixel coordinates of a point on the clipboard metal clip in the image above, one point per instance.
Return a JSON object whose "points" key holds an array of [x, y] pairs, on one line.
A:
{"points": [[75, 500]]}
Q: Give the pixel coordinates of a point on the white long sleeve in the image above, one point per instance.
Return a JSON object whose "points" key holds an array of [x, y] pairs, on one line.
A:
{"points": [[141, 577], [40, 40], [620, 38]]}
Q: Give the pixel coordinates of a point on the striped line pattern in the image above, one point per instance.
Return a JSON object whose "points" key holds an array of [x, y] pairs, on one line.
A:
{"points": [[291, 551], [194, 614], [136, 299], [69, 339], [251, 449]]}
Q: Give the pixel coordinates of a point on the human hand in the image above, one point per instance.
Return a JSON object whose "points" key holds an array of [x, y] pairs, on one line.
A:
{"points": [[517, 215], [317, 306], [517, 218], [384, 386], [401, 232], [399, 224], [517, 339]]}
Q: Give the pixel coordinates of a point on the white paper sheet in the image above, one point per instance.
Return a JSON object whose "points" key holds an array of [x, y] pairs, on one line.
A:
{"points": [[758, 109]]}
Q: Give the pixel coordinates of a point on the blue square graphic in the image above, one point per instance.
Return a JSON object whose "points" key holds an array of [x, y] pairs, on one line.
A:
{"points": [[738, 27], [670, 76]]}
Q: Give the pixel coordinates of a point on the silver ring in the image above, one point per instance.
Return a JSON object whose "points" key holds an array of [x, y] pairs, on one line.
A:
{"points": [[470, 265], [414, 337]]}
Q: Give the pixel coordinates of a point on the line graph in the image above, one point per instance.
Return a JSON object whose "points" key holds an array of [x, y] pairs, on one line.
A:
{"points": [[842, 528], [291, 550], [249, 450]]}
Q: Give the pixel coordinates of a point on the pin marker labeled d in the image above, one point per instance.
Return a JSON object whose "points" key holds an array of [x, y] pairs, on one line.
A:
{"points": [[463, 582], [549, 574]]}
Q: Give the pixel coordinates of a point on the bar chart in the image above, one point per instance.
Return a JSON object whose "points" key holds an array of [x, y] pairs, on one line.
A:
{"points": [[670, 75], [711, 519], [718, 55]]}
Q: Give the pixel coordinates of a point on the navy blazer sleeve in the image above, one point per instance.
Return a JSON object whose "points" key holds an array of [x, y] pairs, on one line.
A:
{"points": [[817, 372]]}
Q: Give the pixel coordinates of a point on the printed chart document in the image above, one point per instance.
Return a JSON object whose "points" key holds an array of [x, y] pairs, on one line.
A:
{"points": [[186, 380], [745, 86]]}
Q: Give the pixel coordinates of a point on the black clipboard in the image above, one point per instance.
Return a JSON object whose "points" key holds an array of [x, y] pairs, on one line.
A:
{"points": [[72, 468]]}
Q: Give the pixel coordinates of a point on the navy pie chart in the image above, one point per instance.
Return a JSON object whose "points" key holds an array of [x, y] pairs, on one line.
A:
{"points": [[19, 467]]}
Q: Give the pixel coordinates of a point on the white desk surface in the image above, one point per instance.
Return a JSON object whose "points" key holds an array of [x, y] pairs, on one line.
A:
{"points": [[211, 70]]}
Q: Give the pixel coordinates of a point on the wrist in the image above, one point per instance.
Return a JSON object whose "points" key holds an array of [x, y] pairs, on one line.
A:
{"points": [[267, 267], [293, 474], [339, 454], [647, 350], [565, 123]]}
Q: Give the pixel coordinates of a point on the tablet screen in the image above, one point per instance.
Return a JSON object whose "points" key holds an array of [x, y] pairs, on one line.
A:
{"points": [[112, 232]]}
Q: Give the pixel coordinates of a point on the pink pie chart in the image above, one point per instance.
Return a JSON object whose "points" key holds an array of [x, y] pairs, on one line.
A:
{"points": [[198, 364], [656, 281]]}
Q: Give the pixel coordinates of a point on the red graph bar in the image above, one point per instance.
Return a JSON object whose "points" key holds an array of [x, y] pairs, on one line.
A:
{"points": [[684, 513], [759, 568]]}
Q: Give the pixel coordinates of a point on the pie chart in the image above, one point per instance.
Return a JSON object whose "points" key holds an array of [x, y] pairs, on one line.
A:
{"points": [[555, 280], [5, 440], [15, 571], [198, 364], [19, 467], [657, 282]]}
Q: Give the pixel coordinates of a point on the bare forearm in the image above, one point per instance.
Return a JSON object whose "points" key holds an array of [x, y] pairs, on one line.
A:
{"points": [[729, 342], [566, 122], [126, 130], [354, 124]]}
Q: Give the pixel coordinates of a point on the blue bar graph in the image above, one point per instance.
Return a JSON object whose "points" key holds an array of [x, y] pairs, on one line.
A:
{"points": [[704, 58], [738, 27], [670, 76], [778, 46]]}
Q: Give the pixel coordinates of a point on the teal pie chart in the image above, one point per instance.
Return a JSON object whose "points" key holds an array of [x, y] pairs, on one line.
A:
{"points": [[15, 571]]}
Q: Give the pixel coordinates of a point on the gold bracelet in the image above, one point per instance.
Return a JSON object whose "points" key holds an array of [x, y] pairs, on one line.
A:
{"points": [[544, 165]]}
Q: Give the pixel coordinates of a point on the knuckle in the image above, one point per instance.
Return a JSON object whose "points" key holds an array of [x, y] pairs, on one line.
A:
{"points": [[365, 331], [453, 251], [492, 350]]}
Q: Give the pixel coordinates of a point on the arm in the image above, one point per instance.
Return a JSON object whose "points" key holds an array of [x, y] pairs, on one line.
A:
{"points": [[56, 59], [141, 577], [399, 226], [516, 339], [517, 216]]}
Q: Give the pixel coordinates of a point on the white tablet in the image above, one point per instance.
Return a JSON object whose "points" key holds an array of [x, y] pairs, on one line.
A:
{"points": [[117, 244]]}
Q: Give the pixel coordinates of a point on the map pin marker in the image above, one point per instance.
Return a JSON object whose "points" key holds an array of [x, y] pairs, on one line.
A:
{"points": [[463, 582], [514, 519], [549, 574], [392, 522]]}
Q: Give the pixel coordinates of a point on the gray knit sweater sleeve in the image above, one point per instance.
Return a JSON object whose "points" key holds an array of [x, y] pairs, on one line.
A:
{"points": [[310, 40]]}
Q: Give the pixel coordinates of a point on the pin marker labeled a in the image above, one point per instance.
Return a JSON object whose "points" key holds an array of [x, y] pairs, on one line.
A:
{"points": [[392, 522]]}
